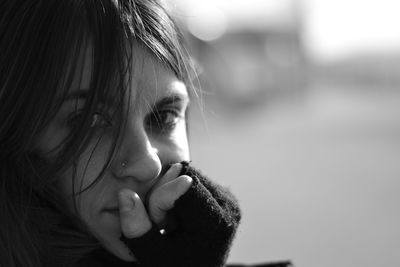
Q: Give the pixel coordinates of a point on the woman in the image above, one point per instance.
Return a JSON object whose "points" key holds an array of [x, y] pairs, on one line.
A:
{"points": [[93, 98], [94, 152]]}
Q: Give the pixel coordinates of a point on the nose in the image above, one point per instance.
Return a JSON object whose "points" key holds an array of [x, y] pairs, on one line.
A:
{"points": [[137, 158]]}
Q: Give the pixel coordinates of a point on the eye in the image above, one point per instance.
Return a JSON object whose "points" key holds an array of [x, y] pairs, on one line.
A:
{"points": [[162, 121], [99, 120]]}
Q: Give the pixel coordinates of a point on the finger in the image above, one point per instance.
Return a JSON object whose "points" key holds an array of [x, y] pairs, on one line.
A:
{"points": [[164, 197], [172, 173], [133, 216]]}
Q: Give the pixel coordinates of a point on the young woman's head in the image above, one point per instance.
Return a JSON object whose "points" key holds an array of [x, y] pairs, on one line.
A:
{"points": [[93, 96]]}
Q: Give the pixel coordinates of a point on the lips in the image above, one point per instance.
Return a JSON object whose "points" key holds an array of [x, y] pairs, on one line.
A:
{"points": [[113, 210]]}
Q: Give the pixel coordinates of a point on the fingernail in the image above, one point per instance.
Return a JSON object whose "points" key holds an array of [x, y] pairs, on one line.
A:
{"points": [[176, 167]]}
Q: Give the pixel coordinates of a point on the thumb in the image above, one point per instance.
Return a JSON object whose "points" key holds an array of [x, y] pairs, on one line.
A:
{"points": [[133, 216]]}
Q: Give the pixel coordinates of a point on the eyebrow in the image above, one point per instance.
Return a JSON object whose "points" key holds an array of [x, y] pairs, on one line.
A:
{"points": [[82, 94], [171, 99], [76, 95], [167, 100]]}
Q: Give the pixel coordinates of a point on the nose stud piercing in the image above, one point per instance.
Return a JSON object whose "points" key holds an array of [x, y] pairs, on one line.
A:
{"points": [[123, 164]]}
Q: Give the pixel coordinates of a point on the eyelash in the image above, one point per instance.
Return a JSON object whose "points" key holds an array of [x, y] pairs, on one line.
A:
{"points": [[156, 122], [159, 122], [104, 119]]}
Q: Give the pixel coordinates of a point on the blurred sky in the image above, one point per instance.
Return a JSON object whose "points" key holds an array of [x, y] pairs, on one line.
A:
{"points": [[332, 28], [338, 28]]}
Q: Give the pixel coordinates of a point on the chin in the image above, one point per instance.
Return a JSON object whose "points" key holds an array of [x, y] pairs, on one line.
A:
{"points": [[116, 247], [121, 251], [108, 231]]}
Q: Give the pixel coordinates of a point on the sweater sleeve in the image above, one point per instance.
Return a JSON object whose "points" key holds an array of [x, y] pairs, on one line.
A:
{"points": [[206, 218]]}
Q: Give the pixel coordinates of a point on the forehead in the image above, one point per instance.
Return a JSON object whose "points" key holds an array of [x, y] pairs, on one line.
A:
{"points": [[148, 79]]}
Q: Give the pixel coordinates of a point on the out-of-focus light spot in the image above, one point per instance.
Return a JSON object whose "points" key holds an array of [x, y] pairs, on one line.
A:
{"points": [[237, 15], [207, 23], [341, 28]]}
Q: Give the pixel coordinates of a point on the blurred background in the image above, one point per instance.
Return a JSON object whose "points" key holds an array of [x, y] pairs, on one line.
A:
{"points": [[300, 117]]}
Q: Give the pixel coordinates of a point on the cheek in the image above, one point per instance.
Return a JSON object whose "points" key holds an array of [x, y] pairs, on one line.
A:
{"points": [[175, 147], [88, 168], [48, 142], [105, 227], [90, 164], [182, 144]]}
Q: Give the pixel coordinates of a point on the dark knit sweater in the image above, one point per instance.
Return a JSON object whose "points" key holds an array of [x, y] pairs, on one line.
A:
{"points": [[102, 258], [205, 221]]}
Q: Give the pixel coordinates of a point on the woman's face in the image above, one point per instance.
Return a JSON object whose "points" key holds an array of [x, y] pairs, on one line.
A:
{"points": [[143, 155]]}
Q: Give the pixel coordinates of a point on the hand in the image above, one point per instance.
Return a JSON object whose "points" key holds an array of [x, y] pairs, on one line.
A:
{"points": [[207, 216], [135, 221]]}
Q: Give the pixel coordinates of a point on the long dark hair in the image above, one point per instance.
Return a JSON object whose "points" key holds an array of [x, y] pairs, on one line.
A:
{"points": [[41, 44]]}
